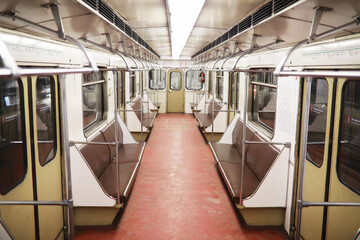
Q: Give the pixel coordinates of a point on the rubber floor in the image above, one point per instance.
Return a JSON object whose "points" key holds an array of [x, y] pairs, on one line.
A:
{"points": [[178, 193]]}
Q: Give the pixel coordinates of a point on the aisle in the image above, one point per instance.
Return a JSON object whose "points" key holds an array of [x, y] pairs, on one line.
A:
{"points": [[178, 193]]}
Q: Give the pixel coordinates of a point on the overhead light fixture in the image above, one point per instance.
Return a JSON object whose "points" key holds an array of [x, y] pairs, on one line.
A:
{"points": [[183, 15]]}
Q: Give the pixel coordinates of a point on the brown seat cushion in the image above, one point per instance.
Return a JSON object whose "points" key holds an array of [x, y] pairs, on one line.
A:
{"points": [[130, 152], [97, 156], [226, 153], [204, 119], [237, 137], [109, 178], [232, 172], [109, 135], [147, 118], [260, 157]]}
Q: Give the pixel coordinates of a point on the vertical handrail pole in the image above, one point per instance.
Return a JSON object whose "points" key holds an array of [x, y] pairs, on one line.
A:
{"points": [[243, 157], [141, 113], [66, 152], [116, 92], [305, 126], [212, 121]]}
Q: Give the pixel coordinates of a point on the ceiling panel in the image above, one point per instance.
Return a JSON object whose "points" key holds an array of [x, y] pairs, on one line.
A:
{"points": [[216, 17]]}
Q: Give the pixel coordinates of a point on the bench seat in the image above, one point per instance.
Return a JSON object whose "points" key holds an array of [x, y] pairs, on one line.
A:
{"points": [[109, 178], [232, 172], [259, 159], [130, 152], [205, 118], [102, 161], [226, 153], [148, 116]]}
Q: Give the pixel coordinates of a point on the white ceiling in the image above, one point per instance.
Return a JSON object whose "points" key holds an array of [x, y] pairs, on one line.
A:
{"points": [[149, 19]]}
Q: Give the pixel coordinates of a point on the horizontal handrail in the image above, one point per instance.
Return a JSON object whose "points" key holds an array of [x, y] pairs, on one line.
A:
{"points": [[25, 202], [129, 110], [72, 143], [45, 71], [330, 204], [286, 144], [236, 111]]}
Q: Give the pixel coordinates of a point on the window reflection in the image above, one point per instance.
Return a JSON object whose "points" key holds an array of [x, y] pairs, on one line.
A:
{"points": [[317, 121], [175, 80], [12, 143], [264, 95], [93, 99], [348, 165], [157, 79], [45, 118], [193, 80]]}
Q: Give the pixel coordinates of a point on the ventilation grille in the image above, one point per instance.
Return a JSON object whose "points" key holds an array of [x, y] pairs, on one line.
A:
{"points": [[263, 13], [233, 31], [105, 11], [245, 24], [92, 3], [260, 15], [119, 23], [282, 4]]}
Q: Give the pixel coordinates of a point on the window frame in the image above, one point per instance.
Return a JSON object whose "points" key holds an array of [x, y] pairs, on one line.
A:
{"points": [[24, 139], [254, 116], [102, 82]]}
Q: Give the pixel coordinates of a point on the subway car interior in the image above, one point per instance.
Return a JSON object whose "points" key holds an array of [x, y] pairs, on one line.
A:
{"points": [[169, 119]]}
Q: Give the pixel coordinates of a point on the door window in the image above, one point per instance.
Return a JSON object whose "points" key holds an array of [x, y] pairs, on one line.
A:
{"points": [[175, 80], [12, 138], [45, 118], [348, 165], [317, 121]]}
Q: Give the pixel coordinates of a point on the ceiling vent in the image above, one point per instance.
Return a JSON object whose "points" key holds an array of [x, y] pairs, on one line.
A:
{"points": [[245, 24], [282, 4], [105, 11], [263, 13]]}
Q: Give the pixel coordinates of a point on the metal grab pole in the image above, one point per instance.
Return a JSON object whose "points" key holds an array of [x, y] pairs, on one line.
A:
{"points": [[66, 152], [212, 121], [243, 157], [116, 91], [305, 124], [141, 112]]}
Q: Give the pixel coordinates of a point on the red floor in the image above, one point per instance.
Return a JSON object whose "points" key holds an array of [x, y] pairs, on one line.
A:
{"points": [[178, 193]]}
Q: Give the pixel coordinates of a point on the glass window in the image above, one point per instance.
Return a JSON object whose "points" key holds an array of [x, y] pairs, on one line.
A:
{"points": [[210, 86], [234, 89], [132, 85], [157, 80], [193, 80], [45, 118], [263, 101], [317, 121], [348, 164], [12, 137], [219, 85], [175, 80], [121, 89], [93, 99]]}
